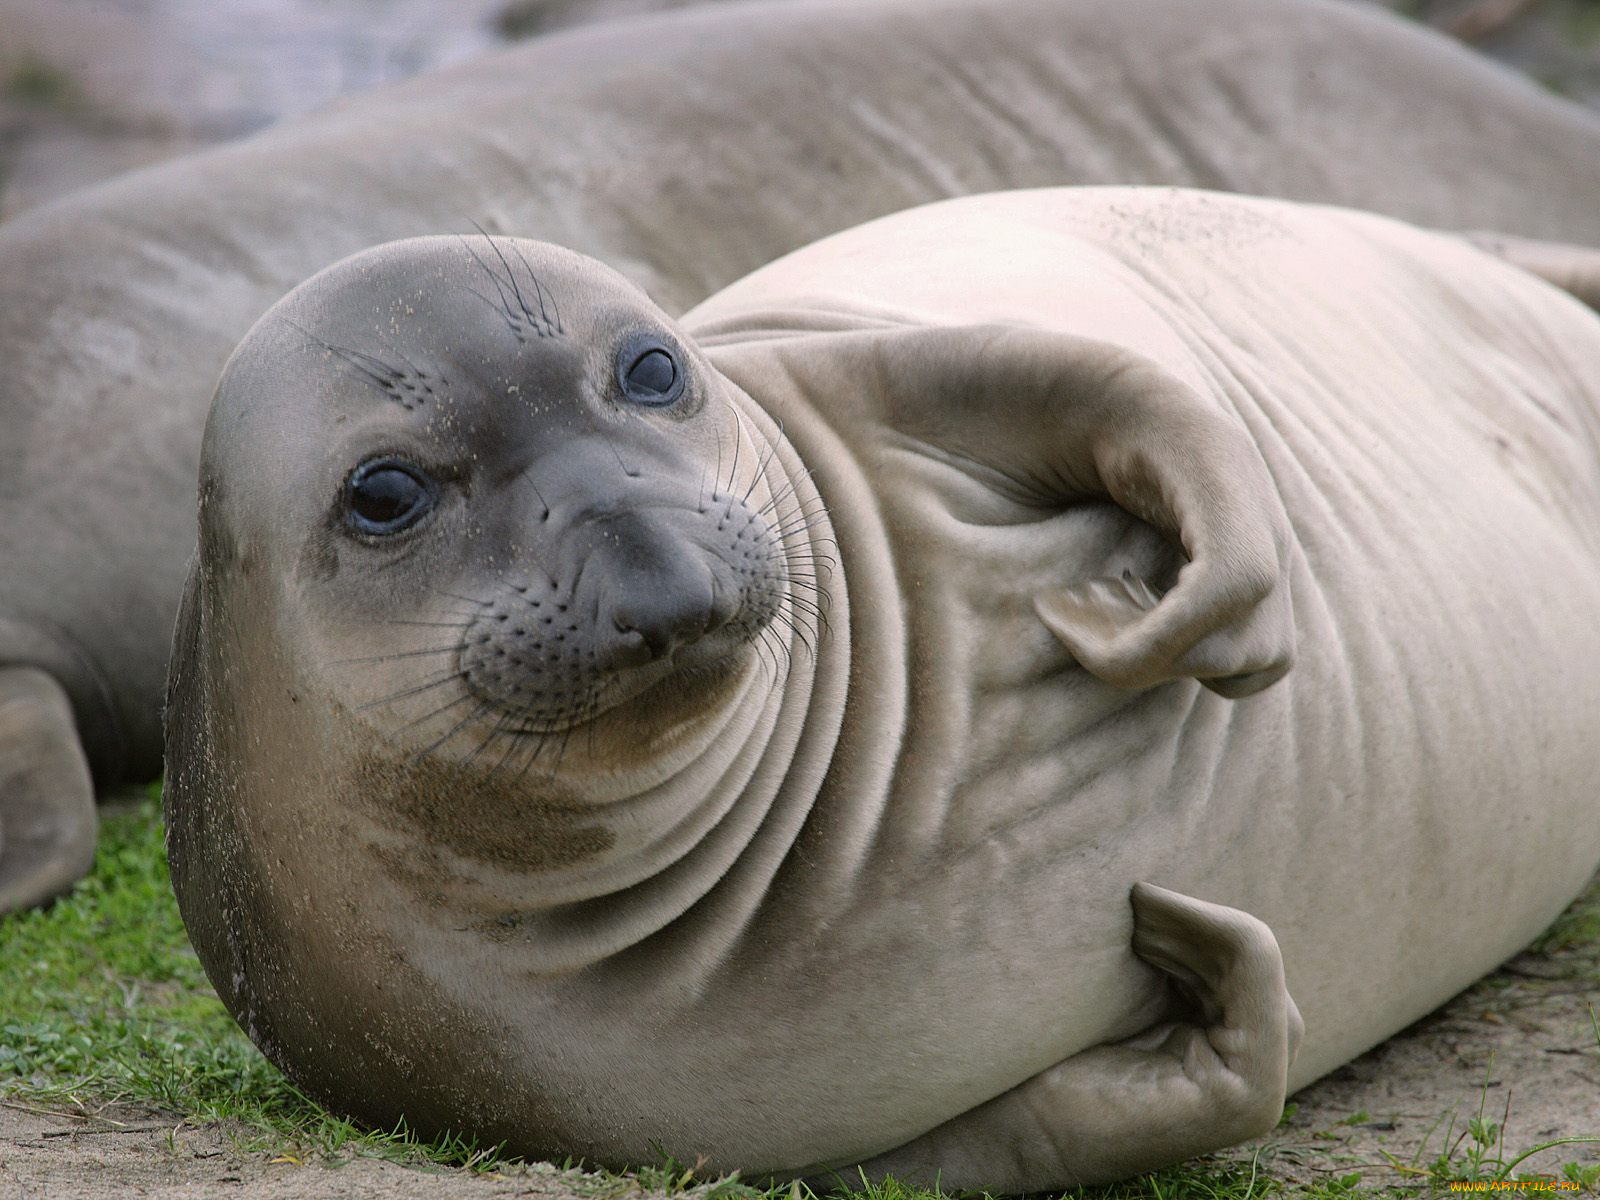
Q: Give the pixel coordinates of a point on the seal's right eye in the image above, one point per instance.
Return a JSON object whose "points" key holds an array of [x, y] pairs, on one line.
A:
{"points": [[385, 495]]}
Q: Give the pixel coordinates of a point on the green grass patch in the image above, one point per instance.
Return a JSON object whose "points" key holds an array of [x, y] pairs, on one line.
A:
{"points": [[103, 1001]]}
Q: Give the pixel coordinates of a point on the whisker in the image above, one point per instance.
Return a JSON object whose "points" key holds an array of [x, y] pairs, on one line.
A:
{"points": [[716, 476], [481, 708], [539, 290], [733, 470], [464, 599], [795, 627], [500, 309], [511, 276], [464, 698], [505, 304], [378, 658], [505, 729], [790, 490], [760, 472], [526, 476], [440, 681], [494, 731], [776, 642], [800, 525], [630, 472]]}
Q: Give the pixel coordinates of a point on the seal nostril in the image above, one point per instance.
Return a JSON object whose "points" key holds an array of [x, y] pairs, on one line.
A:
{"points": [[629, 650]]}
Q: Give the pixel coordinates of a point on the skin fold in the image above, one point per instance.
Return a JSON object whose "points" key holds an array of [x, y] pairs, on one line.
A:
{"points": [[1001, 695]]}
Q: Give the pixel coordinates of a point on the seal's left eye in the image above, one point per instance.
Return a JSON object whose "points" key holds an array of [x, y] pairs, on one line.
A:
{"points": [[386, 496], [649, 374]]}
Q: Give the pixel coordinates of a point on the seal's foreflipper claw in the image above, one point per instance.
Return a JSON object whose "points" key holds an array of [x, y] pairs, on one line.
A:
{"points": [[1172, 1092], [1098, 610], [47, 810], [1118, 631]]}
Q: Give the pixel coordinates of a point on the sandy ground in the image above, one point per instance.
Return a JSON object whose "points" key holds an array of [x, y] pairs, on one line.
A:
{"points": [[92, 87], [129, 1153]]}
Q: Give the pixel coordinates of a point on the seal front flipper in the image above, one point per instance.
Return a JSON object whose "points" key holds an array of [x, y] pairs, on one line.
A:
{"points": [[47, 811], [1074, 418], [1129, 430], [1163, 1096]]}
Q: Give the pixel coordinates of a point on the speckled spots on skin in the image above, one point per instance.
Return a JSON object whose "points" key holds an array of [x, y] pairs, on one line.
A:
{"points": [[481, 813]]}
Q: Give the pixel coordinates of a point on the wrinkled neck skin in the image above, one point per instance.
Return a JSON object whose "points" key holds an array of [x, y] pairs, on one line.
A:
{"points": [[568, 854]]}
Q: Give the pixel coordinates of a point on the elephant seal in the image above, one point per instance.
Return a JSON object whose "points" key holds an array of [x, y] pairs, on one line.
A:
{"points": [[745, 734], [119, 306]]}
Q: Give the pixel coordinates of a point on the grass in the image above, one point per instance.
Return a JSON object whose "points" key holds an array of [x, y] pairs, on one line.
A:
{"points": [[103, 1002]]}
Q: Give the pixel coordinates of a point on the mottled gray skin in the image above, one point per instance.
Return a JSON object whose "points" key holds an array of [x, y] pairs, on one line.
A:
{"points": [[767, 773], [685, 150]]}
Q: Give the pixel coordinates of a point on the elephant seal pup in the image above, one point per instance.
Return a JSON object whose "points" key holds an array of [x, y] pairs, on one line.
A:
{"points": [[744, 735], [119, 306]]}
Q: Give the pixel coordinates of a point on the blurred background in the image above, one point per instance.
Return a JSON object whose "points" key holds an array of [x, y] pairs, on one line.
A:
{"points": [[89, 88]]}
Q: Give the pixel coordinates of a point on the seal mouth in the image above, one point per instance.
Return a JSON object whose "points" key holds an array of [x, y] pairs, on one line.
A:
{"points": [[629, 609], [679, 676]]}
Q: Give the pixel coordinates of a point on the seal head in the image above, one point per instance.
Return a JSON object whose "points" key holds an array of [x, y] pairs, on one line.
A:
{"points": [[499, 593], [512, 527]]}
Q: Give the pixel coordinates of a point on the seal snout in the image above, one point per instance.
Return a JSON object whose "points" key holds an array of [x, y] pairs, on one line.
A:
{"points": [[663, 611], [623, 600], [660, 595]]}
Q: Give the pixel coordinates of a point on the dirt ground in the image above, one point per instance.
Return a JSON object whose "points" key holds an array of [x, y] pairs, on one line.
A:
{"points": [[1519, 1044], [92, 87], [129, 1153]]}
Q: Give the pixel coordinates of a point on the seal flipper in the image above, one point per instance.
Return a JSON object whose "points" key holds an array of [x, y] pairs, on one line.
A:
{"points": [[1140, 436], [1069, 418], [47, 809], [1163, 1096]]}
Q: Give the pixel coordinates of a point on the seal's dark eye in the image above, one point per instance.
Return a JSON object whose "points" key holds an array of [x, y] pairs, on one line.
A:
{"points": [[649, 374], [386, 496]]}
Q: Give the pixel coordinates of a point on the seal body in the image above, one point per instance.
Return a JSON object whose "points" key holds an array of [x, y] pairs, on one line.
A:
{"points": [[118, 306], [745, 736]]}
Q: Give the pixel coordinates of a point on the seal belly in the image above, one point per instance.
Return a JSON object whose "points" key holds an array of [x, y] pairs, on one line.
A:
{"points": [[1431, 733]]}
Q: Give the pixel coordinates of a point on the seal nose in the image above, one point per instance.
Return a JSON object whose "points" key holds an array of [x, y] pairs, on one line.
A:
{"points": [[656, 623], [662, 595]]}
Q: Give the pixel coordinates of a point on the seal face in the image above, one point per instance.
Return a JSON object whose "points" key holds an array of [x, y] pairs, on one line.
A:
{"points": [[553, 494]]}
